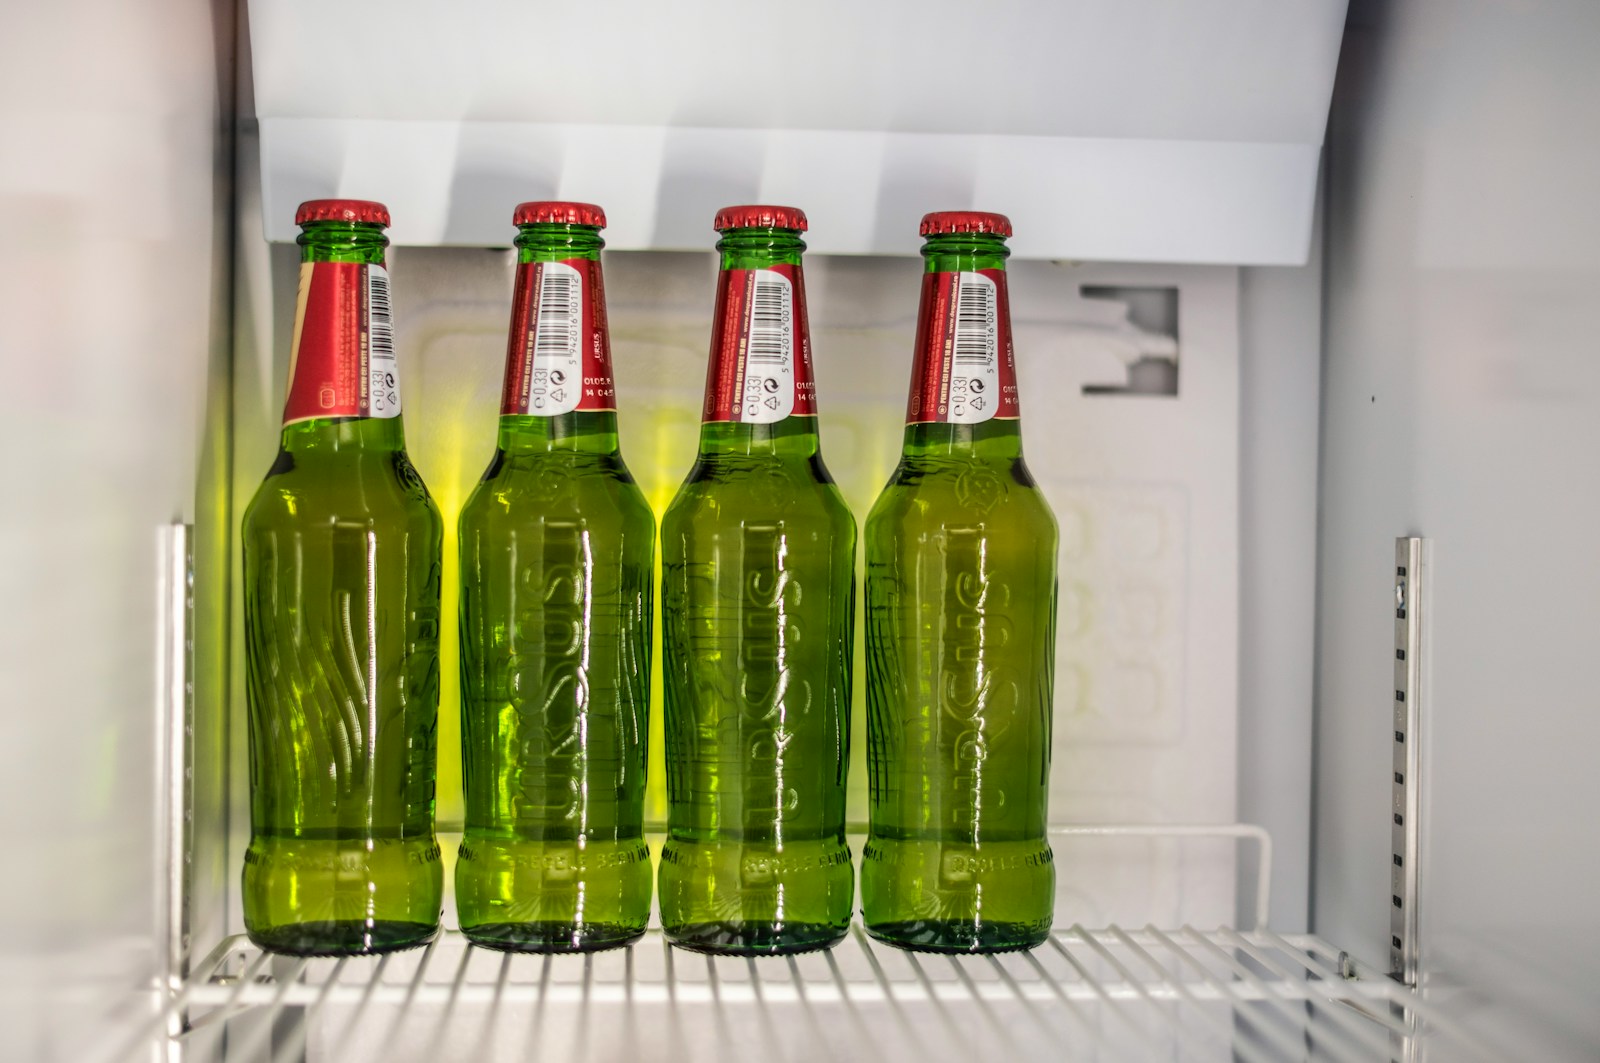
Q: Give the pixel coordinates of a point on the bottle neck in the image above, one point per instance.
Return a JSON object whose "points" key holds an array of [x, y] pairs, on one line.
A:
{"points": [[337, 359], [578, 432], [964, 253], [963, 401], [760, 351], [558, 356], [992, 440]]}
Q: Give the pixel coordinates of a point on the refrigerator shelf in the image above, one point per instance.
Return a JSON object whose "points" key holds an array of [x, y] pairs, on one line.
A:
{"points": [[1105, 994]]}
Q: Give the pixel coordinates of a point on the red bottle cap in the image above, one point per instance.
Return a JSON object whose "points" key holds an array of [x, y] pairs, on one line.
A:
{"points": [[964, 221], [558, 212], [760, 216], [363, 210]]}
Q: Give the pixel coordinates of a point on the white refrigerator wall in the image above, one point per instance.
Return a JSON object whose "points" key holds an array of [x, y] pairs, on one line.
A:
{"points": [[1461, 402], [115, 248]]}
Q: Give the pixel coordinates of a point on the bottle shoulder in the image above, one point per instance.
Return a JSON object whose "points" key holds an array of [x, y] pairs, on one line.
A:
{"points": [[940, 490], [351, 486], [539, 486], [743, 489]]}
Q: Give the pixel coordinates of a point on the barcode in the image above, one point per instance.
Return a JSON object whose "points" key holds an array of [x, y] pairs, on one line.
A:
{"points": [[556, 330], [380, 327], [975, 335], [769, 320]]}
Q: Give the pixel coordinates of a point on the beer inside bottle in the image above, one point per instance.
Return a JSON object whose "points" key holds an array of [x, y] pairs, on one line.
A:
{"points": [[341, 612], [960, 615], [557, 566], [758, 585]]}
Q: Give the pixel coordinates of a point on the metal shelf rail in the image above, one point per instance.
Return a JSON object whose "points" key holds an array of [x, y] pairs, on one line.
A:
{"points": [[1110, 993]]}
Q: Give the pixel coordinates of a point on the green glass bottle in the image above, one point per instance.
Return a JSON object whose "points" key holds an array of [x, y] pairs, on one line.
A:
{"points": [[341, 615], [557, 566], [960, 615], [758, 586]]}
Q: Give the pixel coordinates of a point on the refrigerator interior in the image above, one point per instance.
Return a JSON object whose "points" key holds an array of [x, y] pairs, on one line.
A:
{"points": [[1416, 359]]}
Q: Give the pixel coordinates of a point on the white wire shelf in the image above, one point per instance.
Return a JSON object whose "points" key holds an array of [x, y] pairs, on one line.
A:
{"points": [[1113, 994], [1105, 994]]}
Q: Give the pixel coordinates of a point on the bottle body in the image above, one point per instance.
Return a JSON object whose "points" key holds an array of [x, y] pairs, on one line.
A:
{"points": [[341, 582], [758, 576], [758, 553], [960, 630], [341, 549], [557, 562], [557, 566]]}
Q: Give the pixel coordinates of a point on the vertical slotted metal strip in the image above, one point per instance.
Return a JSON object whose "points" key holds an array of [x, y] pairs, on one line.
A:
{"points": [[174, 777], [1410, 581]]}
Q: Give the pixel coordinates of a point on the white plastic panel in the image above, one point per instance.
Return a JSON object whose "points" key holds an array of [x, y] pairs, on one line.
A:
{"points": [[1462, 404], [1162, 131]]}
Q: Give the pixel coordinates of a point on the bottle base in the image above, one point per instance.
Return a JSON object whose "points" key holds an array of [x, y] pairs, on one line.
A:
{"points": [[733, 897], [551, 937], [956, 938], [741, 939], [342, 937]]}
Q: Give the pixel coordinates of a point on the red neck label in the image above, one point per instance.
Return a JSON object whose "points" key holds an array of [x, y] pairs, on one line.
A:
{"points": [[964, 371], [558, 359], [342, 362], [760, 369]]}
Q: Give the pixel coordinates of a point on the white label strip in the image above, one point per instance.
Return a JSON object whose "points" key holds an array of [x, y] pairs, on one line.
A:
{"points": [[383, 372], [769, 356], [975, 364], [557, 383]]}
